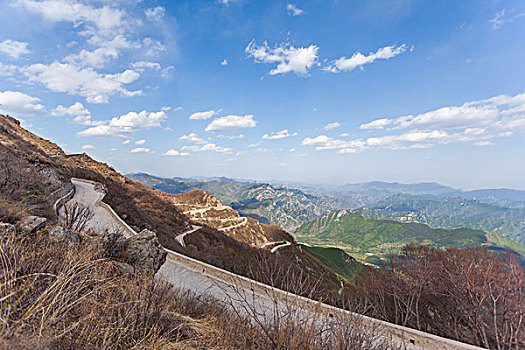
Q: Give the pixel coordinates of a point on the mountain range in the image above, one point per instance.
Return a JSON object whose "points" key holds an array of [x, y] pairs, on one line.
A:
{"points": [[500, 211]]}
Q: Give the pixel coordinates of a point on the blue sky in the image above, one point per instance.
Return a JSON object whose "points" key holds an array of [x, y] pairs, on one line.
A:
{"points": [[315, 91]]}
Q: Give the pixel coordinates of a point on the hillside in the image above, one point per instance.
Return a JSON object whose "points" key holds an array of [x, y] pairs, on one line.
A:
{"points": [[34, 173], [451, 213], [363, 236]]}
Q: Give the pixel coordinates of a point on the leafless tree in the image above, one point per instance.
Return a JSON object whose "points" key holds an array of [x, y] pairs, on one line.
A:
{"points": [[75, 216]]}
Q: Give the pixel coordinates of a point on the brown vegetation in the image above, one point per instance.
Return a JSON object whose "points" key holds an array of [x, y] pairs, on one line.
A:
{"points": [[472, 295]]}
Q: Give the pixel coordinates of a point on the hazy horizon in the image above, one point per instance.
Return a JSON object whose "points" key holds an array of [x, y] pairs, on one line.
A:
{"points": [[319, 92]]}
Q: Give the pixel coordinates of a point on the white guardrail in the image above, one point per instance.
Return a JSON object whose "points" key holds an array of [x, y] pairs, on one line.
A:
{"points": [[404, 335]]}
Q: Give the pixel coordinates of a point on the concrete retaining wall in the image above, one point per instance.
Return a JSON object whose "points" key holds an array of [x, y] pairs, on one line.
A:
{"points": [[397, 334]]}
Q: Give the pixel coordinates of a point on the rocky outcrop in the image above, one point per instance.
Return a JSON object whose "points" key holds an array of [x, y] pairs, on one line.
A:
{"points": [[63, 235], [144, 251], [30, 224]]}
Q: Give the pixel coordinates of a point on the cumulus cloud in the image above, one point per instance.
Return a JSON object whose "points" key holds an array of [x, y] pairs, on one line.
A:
{"points": [[278, 135], [294, 10], [87, 147], [85, 82], [478, 122], [331, 126], [103, 18], [74, 110], [155, 14], [20, 104], [82, 114], [203, 115], [14, 49], [97, 58], [140, 150], [140, 142], [287, 57], [209, 147], [231, 122], [193, 138], [359, 60], [127, 124], [126, 142], [500, 110], [224, 62], [174, 152]]}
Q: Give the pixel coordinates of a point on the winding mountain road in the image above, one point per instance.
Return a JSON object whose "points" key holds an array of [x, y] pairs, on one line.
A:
{"points": [[258, 301], [180, 237]]}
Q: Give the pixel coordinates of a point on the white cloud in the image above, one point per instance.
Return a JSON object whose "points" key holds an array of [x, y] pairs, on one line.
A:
{"points": [[20, 104], [359, 60], [484, 143], [231, 137], [140, 142], [231, 122], [127, 124], [155, 14], [209, 147], [87, 147], [97, 58], [141, 65], [85, 82], [288, 58], [81, 113], [278, 135], [75, 109], [377, 124], [126, 142], [331, 126], [224, 62], [193, 138], [501, 17], [7, 69], [497, 110], [478, 122], [153, 48], [294, 10], [174, 152], [227, 2], [103, 18], [203, 115], [15, 49], [140, 150], [292, 150]]}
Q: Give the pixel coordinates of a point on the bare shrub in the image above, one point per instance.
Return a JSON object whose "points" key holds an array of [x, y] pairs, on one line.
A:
{"points": [[75, 216], [473, 295]]}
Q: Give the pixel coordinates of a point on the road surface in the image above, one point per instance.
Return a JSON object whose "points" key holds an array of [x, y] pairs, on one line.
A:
{"points": [[180, 238]]}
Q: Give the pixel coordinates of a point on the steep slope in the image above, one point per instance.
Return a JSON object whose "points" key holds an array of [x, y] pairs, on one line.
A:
{"points": [[204, 209], [363, 236]]}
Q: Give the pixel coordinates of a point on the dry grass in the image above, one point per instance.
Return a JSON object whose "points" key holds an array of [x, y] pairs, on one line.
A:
{"points": [[55, 296]]}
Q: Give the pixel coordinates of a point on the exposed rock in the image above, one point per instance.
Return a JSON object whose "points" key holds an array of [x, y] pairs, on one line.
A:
{"points": [[144, 251], [30, 224], [7, 229], [123, 268], [62, 234]]}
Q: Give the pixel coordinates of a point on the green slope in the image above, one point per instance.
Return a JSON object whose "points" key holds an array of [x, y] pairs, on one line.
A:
{"points": [[359, 235], [336, 260]]}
